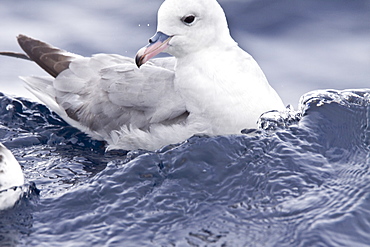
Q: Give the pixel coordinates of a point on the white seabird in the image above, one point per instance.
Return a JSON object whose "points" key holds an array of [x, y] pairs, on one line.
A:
{"points": [[211, 86], [11, 179]]}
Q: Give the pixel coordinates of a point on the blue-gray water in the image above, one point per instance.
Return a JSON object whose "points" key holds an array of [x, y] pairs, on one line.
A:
{"points": [[306, 185]]}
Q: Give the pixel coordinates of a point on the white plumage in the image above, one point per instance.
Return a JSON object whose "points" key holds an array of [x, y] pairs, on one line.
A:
{"points": [[210, 86], [11, 179]]}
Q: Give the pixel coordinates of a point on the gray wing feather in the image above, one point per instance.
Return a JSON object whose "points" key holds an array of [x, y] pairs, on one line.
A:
{"points": [[105, 92]]}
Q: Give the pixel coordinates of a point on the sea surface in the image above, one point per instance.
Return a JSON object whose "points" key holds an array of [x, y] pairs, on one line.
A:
{"points": [[301, 179]]}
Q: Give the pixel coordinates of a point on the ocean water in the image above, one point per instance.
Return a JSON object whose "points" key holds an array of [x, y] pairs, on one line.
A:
{"points": [[303, 179], [307, 184]]}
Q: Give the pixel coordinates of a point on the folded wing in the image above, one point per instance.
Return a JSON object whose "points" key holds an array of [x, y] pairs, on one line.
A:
{"points": [[100, 94]]}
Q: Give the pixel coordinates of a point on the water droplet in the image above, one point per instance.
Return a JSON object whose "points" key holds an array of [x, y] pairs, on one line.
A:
{"points": [[9, 107]]}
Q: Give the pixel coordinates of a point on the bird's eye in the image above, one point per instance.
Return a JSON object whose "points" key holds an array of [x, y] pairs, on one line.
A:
{"points": [[188, 20]]}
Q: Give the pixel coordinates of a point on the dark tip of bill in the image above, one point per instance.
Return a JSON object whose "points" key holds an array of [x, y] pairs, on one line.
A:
{"points": [[138, 61]]}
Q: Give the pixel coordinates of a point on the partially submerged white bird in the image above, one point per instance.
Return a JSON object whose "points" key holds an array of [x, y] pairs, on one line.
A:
{"points": [[11, 179], [211, 86]]}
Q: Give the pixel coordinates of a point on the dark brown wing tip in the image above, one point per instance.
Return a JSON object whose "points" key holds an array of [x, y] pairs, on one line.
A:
{"points": [[52, 59], [21, 36]]}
